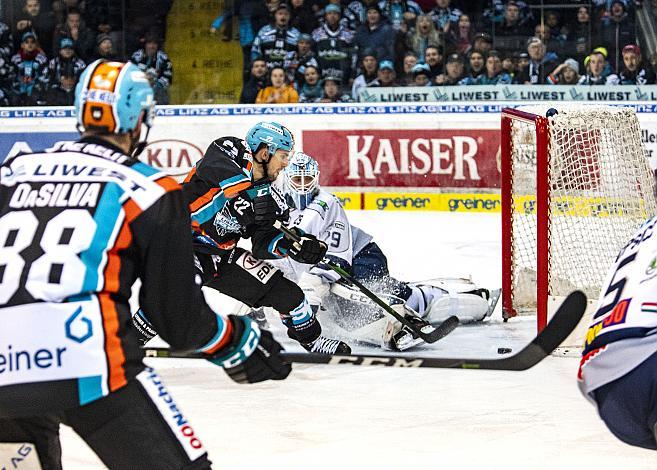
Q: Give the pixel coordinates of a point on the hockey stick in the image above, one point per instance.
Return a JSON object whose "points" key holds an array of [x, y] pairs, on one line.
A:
{"points": [[557, 330], [431, 333]]}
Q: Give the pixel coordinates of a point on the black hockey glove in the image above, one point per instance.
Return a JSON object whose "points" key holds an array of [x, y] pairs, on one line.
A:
{"points": [[253, 355], [307, 250], [265, 209], [242, 209]]}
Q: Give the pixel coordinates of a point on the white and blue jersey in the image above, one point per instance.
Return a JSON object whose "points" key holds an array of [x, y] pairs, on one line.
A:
{"points": [[325, 218], [621, 333]]}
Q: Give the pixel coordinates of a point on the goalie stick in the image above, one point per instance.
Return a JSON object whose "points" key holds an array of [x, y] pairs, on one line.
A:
{"points": [[431, 333], [556, 331]]}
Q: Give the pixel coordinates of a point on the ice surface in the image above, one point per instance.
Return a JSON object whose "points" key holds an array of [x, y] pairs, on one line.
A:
{"points": [[345, 417]]}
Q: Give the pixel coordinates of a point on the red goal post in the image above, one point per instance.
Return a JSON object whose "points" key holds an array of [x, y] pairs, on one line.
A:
{"points": [[574, 188]]}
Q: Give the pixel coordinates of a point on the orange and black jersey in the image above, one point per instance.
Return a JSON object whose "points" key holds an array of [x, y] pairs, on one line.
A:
{"points": [[79, 224], [220, 190]]}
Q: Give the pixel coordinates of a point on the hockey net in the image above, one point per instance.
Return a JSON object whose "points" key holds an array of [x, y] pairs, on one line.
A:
{"points": [[575, 186]]}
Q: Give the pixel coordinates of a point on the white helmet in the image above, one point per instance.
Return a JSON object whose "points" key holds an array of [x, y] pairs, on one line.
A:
{"points": [[301, 179]]}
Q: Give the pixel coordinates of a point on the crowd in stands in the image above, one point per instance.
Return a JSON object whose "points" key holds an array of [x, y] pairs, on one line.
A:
{"points": [[329, 50], [46, 44]]}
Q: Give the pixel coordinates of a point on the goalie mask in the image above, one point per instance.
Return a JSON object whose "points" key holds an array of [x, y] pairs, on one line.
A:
{"points": [[301, 180]]}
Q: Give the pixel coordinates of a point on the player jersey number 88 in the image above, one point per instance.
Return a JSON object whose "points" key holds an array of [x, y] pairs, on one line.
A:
{"points": [[59, 271]]}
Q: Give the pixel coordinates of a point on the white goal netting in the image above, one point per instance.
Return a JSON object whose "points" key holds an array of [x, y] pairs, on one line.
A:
{"points": [[600, 190]]}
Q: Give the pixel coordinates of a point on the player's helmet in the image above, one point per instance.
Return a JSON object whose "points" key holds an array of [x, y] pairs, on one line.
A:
{"points": [[271, 134], [301, 179], [111, 96]]}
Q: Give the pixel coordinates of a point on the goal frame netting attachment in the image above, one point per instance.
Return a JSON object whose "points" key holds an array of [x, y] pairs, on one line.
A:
{"points": [[574, 188]]}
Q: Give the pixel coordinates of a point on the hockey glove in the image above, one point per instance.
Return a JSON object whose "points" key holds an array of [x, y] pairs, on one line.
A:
{"points": [[308, 249], [241, 208], [265, 209], [253, 355]]}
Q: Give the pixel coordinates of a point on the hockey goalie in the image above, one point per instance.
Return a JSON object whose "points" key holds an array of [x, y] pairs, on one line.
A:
{"points": [[346, 309]]}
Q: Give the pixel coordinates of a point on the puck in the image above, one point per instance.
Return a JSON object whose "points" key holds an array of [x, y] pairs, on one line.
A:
{"points": [[503, 350]]}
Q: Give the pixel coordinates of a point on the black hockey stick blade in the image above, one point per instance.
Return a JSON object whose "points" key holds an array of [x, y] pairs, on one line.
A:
{"points": [[557, 330], [431, 335]]}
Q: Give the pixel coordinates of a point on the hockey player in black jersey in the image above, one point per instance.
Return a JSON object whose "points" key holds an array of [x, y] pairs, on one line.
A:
{"points": [[230, 197], [79, 224]]}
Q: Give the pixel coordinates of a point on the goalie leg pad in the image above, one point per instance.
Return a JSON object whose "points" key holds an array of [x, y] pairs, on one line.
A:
{"points": [[467, 307]]}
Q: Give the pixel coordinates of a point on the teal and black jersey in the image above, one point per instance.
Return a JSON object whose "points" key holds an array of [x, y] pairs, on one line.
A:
{"points": [[220, 191], [79, 224]]}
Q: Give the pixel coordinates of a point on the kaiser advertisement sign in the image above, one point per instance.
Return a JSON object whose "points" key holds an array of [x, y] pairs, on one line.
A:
{"points": [[406, 158]]}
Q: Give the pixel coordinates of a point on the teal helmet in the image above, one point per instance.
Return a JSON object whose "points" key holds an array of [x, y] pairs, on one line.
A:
{"points": [[273, 135], [110, 97]]}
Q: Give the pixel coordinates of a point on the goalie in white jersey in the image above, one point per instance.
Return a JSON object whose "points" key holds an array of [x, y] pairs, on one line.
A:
{"points": [[318, 212], [618, 370]]}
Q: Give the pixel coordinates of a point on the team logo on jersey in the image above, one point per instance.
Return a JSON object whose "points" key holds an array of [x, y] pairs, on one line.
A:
{"points": [[79, 328], [652, 267]]}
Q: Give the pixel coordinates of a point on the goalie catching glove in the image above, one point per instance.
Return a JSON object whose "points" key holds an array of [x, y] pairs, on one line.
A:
{"points": [[307, 250], [253, 355]]}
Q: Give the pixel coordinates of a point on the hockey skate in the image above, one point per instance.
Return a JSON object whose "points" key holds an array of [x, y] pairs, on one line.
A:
{"points": [[324, 345], [257, 314]]}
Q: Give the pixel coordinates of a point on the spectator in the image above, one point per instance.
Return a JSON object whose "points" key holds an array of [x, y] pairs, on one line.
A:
{"points": [[494, 74], [433, 57], [83, 37], [65, 62], [333, 44], [28, 66], [633, 72], [423, 35], [443, 16], [595, 69], [477, 65], [144, 17], [421, 74], [62, 93], [407, 78], [511, 33], [296, 61], [33, 18], [6, 41], [540, 64], [461, 36], [523, 61], [302, 16], [279, 91], [4, 97], [311, 91], [553, 23], [581, 36], [482, 42], [104, 48], [454, 71], [400, 13], [552, 44], [376, 35], [257, 81], [565, 74], [386, 76], [6, 49], [106, 17], [333, 93], [274, 41], [369, 68], [155, 63], [616, 30], [225, 19], [509, 66], [355, 13]]}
